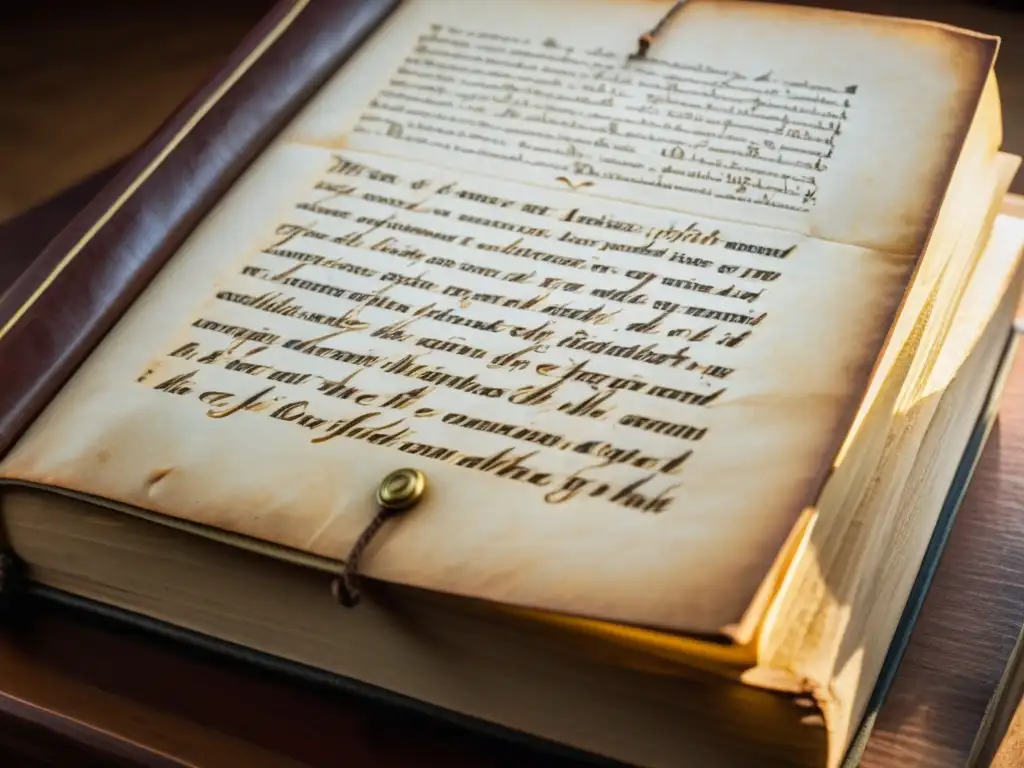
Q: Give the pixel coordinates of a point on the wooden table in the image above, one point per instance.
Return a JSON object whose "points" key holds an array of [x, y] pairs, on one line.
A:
{"points": [[78, 692]]}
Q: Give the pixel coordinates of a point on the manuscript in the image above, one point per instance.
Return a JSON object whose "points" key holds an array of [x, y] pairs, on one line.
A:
{"points": [[620, 312]]}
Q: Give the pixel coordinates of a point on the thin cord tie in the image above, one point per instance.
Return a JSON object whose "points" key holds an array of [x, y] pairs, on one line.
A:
{"points": [[398, 492]]}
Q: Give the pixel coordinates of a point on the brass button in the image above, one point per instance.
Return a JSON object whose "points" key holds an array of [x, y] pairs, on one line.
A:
{"points": [[401, 489]]}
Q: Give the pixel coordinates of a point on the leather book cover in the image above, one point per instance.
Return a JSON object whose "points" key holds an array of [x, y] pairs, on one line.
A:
{"points": [[67, 299], [26, 235]]}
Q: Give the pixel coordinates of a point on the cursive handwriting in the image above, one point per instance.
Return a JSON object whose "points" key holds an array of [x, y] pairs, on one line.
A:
{"points": [[489, 328], [690, 127]]}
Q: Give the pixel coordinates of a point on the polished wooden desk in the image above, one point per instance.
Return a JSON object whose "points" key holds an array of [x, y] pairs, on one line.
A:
{"points": [[75, 691]]}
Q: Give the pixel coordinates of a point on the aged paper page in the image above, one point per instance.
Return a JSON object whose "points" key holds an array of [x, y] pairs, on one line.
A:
{"points": [[837, 125], [617, 312], [616, 406]]}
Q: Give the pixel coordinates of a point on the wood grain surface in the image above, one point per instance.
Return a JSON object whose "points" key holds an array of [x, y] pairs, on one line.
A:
{"points": [[83, 84]]}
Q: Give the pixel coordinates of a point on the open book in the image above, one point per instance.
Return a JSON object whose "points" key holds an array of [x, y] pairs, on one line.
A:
{"points": [[688, 347]]}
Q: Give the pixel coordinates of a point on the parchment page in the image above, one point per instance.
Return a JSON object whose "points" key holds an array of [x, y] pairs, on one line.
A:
{"points": [[620, 410], [836, 125], [615, 310]]}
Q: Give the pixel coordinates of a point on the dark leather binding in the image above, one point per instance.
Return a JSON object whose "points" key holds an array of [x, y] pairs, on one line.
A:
{"points": [[25, 236], [61, 307]]}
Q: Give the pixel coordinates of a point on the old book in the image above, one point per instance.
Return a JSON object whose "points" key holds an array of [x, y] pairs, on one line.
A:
{"points": [[688, 346]]}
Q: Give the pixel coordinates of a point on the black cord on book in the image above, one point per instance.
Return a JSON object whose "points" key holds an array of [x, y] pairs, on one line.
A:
{"points": [[643, 45], [400, 491], [344, 586]]}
